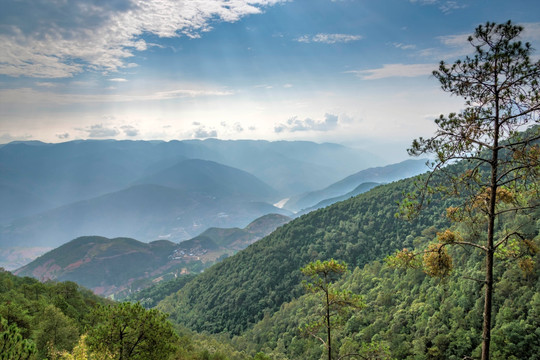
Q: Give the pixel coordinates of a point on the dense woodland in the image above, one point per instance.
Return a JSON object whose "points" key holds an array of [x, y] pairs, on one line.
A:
{"points": [[255, 305], [237, 292], [417, 288], [256, 302], [407, 314]]}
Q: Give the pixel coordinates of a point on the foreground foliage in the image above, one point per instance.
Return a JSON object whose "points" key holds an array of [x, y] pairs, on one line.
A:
{"points": [[49, 315], [335, 303], [128, 331], [12, 344], [236, 293], [501, 89], [410, 315]]}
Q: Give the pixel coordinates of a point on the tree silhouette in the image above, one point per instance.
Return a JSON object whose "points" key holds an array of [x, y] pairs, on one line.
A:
{"points": [[498, 180], [323, 275]]}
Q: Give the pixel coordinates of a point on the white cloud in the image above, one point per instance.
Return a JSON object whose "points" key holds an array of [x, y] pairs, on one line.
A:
{"points": [[328, 38], [130, 130], [456, 46], [294, 124], [100, 131], [404, 46], [45, 84], [446, 6], [203, 133], [101, 35], [180, 93], [118, 80], [395, 70], [7, 138], [531, 32], [238, 127], [449, 6], [425, 2], [63, 136]]}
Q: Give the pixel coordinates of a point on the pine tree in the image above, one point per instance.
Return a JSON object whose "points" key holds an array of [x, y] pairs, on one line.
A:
{"points": [[496, 135]]}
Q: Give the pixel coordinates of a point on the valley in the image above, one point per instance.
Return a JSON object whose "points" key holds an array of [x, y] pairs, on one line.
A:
{"points": [[244, 281], [160, 190], [119, 267], [150, 225]]}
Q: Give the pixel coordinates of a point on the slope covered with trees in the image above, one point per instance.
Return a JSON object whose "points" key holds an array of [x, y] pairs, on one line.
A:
{"points": [[47, 314], [64, 321], [238, 291], [410, 315]]}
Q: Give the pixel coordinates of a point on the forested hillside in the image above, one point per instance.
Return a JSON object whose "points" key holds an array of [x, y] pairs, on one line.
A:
{"points": [[49, 314], [64, 321], [414, 316], [236, 293]]}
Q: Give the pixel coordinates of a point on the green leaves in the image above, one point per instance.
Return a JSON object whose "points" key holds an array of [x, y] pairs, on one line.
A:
{"points": [[12, 344], [500, 87], [324, 271], [336, 303], [128, 331]]}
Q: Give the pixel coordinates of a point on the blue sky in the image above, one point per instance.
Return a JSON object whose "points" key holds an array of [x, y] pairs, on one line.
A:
{"points": [[355, 72]]}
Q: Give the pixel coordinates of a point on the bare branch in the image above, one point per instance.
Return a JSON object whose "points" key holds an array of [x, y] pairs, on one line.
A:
{"points": [[515, 209], [508, 236], [467, 243]]}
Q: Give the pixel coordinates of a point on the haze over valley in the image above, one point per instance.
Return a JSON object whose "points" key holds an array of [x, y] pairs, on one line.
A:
{"points": [[269, 180], [165, 190]]}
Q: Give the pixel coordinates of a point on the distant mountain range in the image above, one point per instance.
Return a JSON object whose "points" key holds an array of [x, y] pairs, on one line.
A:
{"points": [[235, 238], [101, 264], [360, 189], [211, 178], [205, 194], [152, 190], [45, 175], [116, 266], [383, 174]]}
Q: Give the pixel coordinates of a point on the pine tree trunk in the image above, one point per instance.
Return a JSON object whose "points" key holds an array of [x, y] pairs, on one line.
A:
{"points": [[328, 325], [486, 331]]}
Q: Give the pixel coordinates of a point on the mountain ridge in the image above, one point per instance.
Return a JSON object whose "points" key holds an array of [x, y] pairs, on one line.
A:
{"points": [[116, 266], [379, 174], [235, 293]]}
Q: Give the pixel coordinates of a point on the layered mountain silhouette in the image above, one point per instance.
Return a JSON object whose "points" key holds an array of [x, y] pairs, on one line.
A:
{"points": [[59, 174], [118, 265], [382, 174], [211, 178], [151, 190]]}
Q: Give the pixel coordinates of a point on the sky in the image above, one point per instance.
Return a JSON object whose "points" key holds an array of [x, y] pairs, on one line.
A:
{"points": [[355, 72]]}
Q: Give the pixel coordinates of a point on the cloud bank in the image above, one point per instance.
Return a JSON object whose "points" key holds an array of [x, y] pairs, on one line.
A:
{"points": [[58, 39], [294, 124], [100, 131]]}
